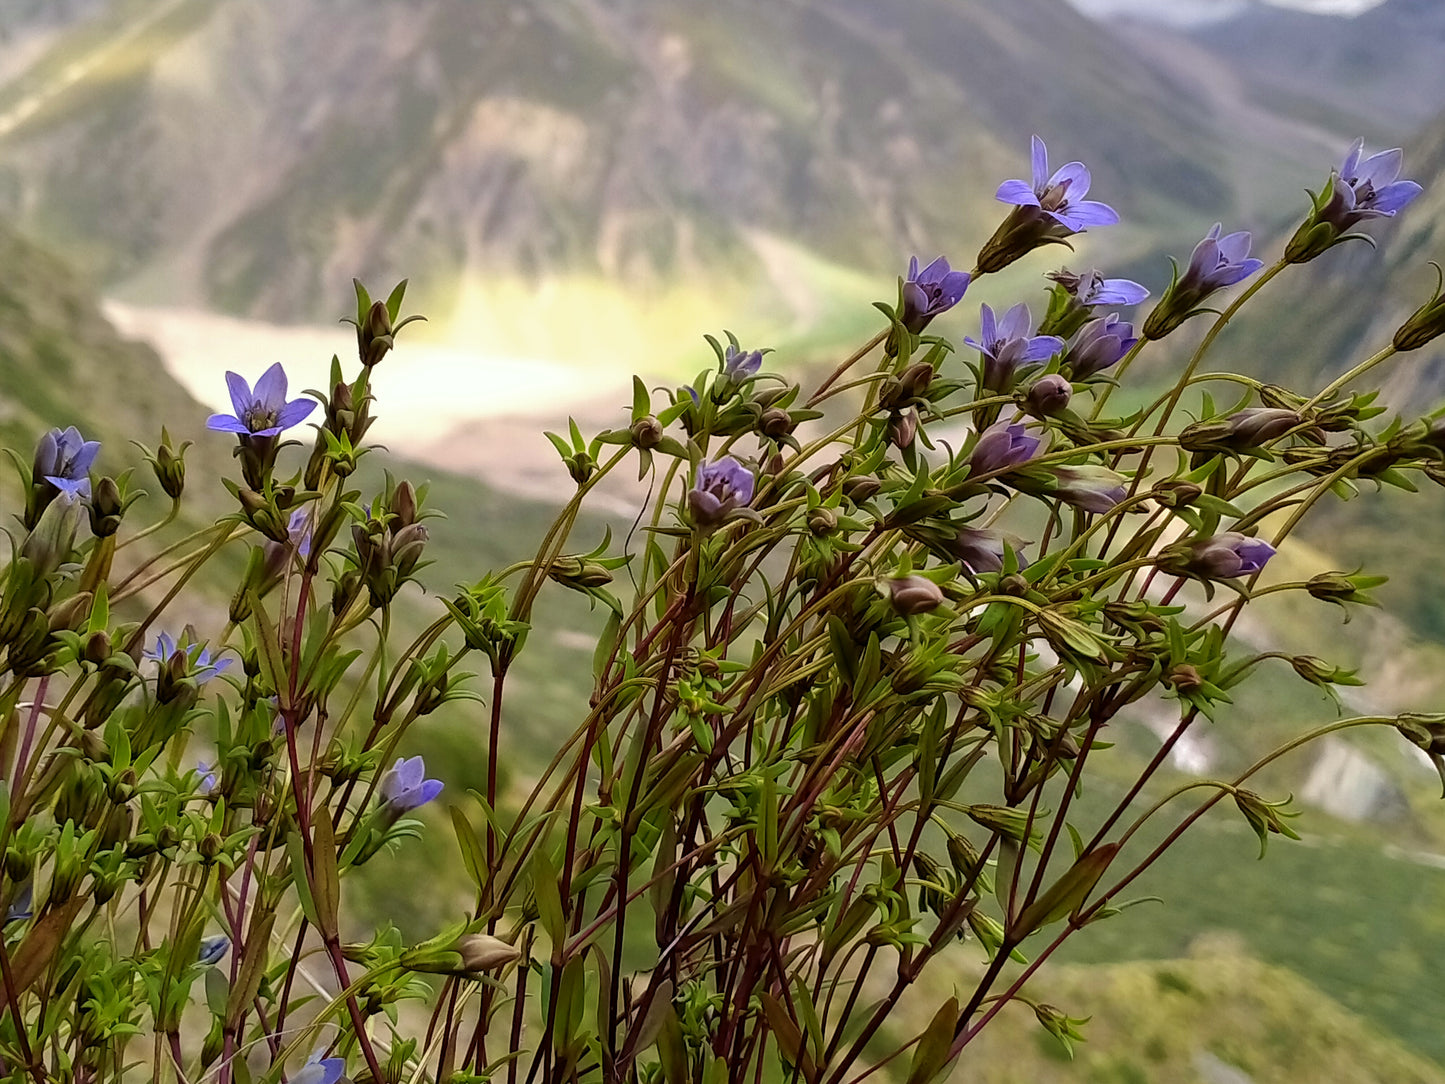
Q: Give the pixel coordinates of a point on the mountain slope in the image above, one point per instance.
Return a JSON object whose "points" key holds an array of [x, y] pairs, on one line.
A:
{"points": [[253, 156]]}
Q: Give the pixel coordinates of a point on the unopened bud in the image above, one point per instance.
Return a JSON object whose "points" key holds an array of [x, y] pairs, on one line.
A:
{"points": [[912, 595], [822, 522], [1049, 395], [646, 433], [1185, 678]]}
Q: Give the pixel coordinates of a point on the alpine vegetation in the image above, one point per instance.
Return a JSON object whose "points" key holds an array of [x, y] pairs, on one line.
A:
{"points": [[851, 679]]}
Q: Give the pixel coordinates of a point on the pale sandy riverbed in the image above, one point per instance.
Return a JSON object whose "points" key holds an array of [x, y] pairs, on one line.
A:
{"points": [[424, 390]]}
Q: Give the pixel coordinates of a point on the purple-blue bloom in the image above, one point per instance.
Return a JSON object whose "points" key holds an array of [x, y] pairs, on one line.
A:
{"points": [[1060, 196], [1092, 288], [1090, 487], [1369, 188], [1215, 263], [927, 293], [207, 773], [64, 456], [263, 412], [1218, 262], [22, 907], [1001, 446], [319, 1071], [197, 658], [405, 786], [1100, 344], [982, 550], [740, 364], [1006, 344], [1224, 556], [213, 950], [721, 487]]}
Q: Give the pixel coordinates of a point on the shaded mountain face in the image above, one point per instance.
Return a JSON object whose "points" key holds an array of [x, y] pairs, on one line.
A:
{"points": [[1380, 70], [252, 156]]}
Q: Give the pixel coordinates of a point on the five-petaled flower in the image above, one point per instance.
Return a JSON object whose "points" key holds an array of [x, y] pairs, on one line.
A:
{"points": [[929, 292], [319, 1070], [1047, 210], [1099, 345], [1002, 446], [741, 364], [1060, 196], [405, 786], [196, 659], [1216, 262], [64, 458], [1005, 344], [264, 411], [721, 487], [1362, 188], [1092, 288], [1224, 556]]}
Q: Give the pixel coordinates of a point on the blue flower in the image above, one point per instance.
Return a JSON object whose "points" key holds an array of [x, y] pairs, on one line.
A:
{"points": [[263, 412], [1099, 345], [1215, 263], [213, 950], [1002, 446], [64, 458], [206, 782], [21, 908], [319, 1071], [740, 364], [1092, 288], [197, 658], [1369, 188], [1061, 196], [927, 293], [405, 786], [721, 488], [1006, 344]]}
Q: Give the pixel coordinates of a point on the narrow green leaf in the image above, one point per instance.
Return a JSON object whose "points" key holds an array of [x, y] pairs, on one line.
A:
{"points": [[931, 1054]]}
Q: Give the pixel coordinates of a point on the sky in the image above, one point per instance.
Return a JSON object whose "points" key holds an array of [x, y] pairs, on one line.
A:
{"points": [[1186, 12]]}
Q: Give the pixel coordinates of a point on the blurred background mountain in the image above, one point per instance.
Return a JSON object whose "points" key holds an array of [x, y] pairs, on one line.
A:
{"points": [[579, 189]]}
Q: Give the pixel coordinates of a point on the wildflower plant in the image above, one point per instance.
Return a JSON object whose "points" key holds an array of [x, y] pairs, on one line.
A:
{"points": [[850, 680]]}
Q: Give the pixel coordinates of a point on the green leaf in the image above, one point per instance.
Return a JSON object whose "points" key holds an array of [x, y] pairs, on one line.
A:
{"points": [[471, 848], [326, 878], [931, 1055], [547, 889], [1067, 893]]}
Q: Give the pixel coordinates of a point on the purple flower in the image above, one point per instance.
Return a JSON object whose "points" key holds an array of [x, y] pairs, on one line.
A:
{"points": [[1006, 344], [1061, 197], [982, 550], [1357, 191], [64, 458], [1089, 488], [927, 293], [207, 772], [721, 488], [263, 412], [196, 658], [1099, 345], [1225, 556], [406, 787], [213, 949], [739, 364], [319, 1071], [22, 907], [1092, 288], [1216, 262], [1002, 446], [1049, 395], [1369, 188]]}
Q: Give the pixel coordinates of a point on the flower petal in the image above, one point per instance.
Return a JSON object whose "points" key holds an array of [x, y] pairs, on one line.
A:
{"points": [[1382, 168], [1015, 323], [297, 411], [224, 423], [1235, 246], [240, 392], [1042, 346], [1351, 164], [271, 388], [1080, 216], [1076, 175], [1118, 292], [1395, 196], [1018, 193], [1039, 157]]}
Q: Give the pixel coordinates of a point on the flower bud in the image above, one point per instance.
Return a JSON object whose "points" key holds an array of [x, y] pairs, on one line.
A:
{"points": [[775, 423], [374, 337], [1185, 678], [1048, 395], [106, 508], [646, 433], [50, 544], [903, 428], [1176, 494], [912, 595], [822, 522], [403, 504], [1425, 323], [861, 490], [579, 572]]}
